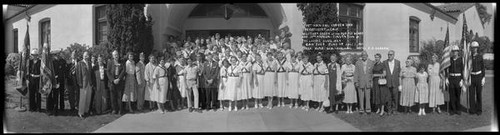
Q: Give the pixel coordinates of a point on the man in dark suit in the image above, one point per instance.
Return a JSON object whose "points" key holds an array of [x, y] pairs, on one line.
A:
{"points": [[210, 75], [116, 79], [363, 81], [53, 97], [35, 98], [201, 81], [393, 69], [72, 85]]}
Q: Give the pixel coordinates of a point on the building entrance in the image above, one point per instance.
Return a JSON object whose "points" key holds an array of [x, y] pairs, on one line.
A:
{"points": [[238, 32]]}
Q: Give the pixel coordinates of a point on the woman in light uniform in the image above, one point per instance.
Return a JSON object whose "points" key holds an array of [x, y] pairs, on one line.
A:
{"points": [[281, 79], [245, 88], [270, 79], [292, 90], [181, 81], [259, 72], [224, 74], [306, 81], [233, 82], [319, 76]]}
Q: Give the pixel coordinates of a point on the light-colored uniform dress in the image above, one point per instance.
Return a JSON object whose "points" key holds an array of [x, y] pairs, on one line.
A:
{"points": [[141, 84], [270, 78], [233, 82], [422, 93], [408, 82], [258, 89], [282, 78], [161, 84], [292, 89], [246, 78], [319, 76], [181, 81], [436, 95], [148, 77], [223, 83], [129, 93], [349, 90], [306, 81]]}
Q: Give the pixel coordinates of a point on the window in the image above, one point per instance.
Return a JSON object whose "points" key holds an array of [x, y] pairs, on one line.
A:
{"points": [[16, 42], [218, 10], [352, 14], [101, 24], [44, 32], [414, 34]]}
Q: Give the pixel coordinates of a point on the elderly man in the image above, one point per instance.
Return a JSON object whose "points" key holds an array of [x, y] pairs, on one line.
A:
{"points": [[477, 77], [116, 78], [363, 82], [72, 84], [35, 98], [84, 79], [393, 69]]}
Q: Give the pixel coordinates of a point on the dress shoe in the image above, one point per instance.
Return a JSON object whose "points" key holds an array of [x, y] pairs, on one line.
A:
{"points": [[199, 111], [190, 109]]}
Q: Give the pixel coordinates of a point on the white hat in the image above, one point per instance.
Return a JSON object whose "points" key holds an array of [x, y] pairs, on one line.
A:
{"points": [[474, 44], [34, 51], [455, 48]]}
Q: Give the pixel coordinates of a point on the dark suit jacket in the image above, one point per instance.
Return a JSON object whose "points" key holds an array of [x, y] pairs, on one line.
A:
{"points": [[84, 75], [60, 71], [111, 73], [392, 78], [364, 80], [71, 75], [211, 72]]}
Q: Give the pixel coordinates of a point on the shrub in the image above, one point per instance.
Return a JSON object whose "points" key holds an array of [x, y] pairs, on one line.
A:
{"points": [[430, 47], [488, 64], [79, 48], [12, 63]]}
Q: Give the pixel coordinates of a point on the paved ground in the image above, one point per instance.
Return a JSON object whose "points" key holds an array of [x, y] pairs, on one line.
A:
{"points": [[254, 120]]}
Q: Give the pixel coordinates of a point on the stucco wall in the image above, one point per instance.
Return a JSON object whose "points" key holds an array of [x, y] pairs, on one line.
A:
{"points": [[221, 23]]}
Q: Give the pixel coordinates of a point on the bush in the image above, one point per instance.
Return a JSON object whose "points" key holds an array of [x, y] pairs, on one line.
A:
{"points": [[488, 64], [12, 63], [430, 47], [79, 48], [9, 69], [101, 49]]}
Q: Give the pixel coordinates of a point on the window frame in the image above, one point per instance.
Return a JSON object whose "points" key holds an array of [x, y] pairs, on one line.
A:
{"points": [[359, 17], [95, 24], [15, 33], [43, 31], [414, 35]]}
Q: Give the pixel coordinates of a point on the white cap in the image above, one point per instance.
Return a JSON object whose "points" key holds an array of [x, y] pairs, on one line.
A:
{"points": [[34, 51], [474, 44], [455, 48]]}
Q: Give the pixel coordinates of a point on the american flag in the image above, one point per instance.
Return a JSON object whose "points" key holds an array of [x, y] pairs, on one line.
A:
{"points": [[445, 63], [467, 64], [46, 71]]}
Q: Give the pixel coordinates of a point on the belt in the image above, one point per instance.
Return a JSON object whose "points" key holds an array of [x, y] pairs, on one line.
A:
{"points": [[294, 71], [162, 76], [476, 73], [319, 74], [455, 74], [246, 72], [35, 76], [191, 79], [305, 74], [281, 71]]}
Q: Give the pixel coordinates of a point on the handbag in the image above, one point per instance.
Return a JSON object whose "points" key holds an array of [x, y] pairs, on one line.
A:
{"points": [[382, 81]]}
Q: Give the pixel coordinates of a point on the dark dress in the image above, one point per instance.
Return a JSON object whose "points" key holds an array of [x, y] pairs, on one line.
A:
{"points": [[334, 97], [99, 99], [172, 93], [381, 93]]}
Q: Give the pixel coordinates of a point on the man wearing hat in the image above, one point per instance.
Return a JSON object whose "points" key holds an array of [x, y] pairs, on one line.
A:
{"points": [[455, 81], [477, 81], [35, 98], [57, 95]]}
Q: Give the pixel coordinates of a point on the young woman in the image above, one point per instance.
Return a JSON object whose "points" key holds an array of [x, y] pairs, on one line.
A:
{"points": [[422, 95], [436, 96], [173, 95], [334, 83], [281, 79], [381, 93], [181, 81], [100, 92], [258, 72], [319, 78], [141, 86], [148, 77], [129, 94], [245, 87], [161, 84], [347, 77], [224, 74], [270, 79], [233, 81], [292, 89], [408, 75], [306, 81]]}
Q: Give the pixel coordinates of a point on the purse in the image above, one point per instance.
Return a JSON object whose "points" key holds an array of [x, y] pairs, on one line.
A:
{"points": [[382, 81]]}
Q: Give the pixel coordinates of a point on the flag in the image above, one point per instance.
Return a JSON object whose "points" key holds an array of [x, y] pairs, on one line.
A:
{"points": [[47, 70], [464, 97], [24, 64], [445, 63]]}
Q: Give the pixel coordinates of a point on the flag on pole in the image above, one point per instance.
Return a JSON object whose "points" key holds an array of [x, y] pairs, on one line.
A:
{"points": [[467, 61], [24, 64], [445, 63], [47, 70]]}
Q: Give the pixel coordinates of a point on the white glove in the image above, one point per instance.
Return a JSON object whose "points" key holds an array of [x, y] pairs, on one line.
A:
{"points": [[57, 86], [400, 87], [447, 82], [461, 83], [483, 81]]}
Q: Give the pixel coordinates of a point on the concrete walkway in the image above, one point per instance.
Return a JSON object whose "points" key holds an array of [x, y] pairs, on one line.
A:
{"points": [[281, 119]]}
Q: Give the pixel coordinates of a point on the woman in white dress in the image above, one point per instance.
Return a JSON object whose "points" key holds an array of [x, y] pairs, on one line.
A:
{"points": [[233, 82], [148, 77], [258, 72], [293, 81], [281, 78], [436, 95], [129, 94], [306, 81], [347, 78], [245, 87], [319, 77], [270, 79], [161, 84], [224, 74], [181, 81]]}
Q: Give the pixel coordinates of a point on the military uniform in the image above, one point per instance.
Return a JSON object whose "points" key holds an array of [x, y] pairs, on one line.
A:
{"points": [[56, 97], [455, 77], [35, 98], [475, 89]]}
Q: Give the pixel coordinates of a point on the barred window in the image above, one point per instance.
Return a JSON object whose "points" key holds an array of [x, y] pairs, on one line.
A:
{"points": [[414, 34]]}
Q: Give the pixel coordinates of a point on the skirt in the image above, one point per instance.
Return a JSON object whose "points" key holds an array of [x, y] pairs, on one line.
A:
{"points": [[259, 88], [181, 83], [130, 92], [231, 88], [292, 90], [381, 94], [408, 92], [319, 89], [422, 95], [245, 88], [436, 95], [350, 93], [222, 90], [161, 94], [149, 92], [281, 87], [269, 84], [306, 87]]}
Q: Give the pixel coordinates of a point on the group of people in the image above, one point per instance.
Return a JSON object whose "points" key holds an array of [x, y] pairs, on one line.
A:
{"points": [[217, 73]]}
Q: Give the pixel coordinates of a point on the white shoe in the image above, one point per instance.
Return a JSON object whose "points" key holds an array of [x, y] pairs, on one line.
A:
{"points": [[423, 113]]}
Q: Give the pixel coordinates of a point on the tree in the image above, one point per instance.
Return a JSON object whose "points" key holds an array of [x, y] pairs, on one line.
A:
{"points": [[483, 13], [128, 28], [318, 13]]}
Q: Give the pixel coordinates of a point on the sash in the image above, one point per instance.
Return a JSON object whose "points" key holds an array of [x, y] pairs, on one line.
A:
{"points": [[281, 68]]}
